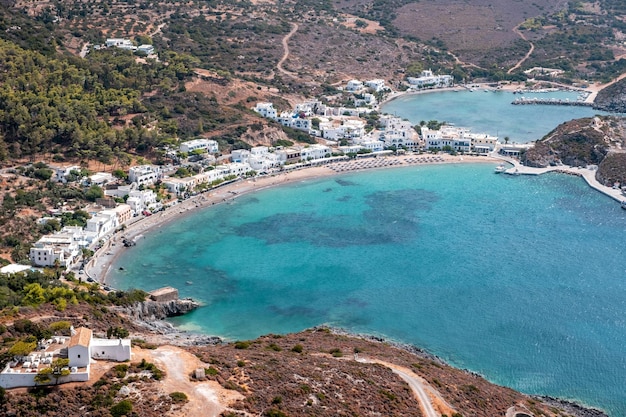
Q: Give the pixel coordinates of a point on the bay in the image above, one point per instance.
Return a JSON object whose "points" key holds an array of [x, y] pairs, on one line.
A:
{"points": [[518, 278], [490, 112]]}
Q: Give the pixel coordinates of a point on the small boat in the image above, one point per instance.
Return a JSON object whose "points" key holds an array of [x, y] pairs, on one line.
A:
{"points": [[623, 204], [500, 169], [189, 282]]}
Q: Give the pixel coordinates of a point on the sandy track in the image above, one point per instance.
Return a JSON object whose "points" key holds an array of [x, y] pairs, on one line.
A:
{"points": [[206, 398]]}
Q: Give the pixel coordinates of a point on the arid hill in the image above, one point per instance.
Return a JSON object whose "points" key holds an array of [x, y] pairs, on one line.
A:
{"points": [[589, 141]]}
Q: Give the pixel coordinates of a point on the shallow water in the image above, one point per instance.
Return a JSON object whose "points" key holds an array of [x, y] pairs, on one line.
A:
{"points": [[518, 278]]}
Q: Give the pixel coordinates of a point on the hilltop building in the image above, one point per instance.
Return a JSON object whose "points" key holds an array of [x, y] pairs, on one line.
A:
{"points": [[79, 349]]}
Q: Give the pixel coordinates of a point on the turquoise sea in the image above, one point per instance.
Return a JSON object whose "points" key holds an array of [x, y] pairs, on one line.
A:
{"points": [[521, 279]]}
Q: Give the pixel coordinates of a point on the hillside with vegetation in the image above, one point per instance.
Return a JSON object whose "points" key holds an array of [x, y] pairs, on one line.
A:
{"points": [[109, 109]]}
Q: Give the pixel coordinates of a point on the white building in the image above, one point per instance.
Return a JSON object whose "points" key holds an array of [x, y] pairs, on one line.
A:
{"points": [[240, 155], [266, 110], [455, 138], [61, 173], [101, 178], [145, 174], [376, 85], [294, 121], [314, 152], [120, 43], [428, 80], [142, 200], [344, 129], [208, 145], [264, 162], [372, 145], [146, 49], [367, 99], [102, 223], [354, 85], [59, 248], [81, 347]]}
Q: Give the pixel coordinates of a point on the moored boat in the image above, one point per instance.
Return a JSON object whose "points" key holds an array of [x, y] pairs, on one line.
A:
{"points": [[623, 204], [500, 169]]}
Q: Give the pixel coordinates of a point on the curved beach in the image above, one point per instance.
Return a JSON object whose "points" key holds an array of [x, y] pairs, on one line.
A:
{"points": [[99, 265]]}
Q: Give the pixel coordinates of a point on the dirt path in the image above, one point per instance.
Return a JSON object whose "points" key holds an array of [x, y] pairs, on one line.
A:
{"points": [[431, 402], [206, 398], [279, 66], [528, 54]]}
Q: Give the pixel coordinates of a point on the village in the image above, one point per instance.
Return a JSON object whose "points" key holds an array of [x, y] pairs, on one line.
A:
{"points": [[341, 133]]}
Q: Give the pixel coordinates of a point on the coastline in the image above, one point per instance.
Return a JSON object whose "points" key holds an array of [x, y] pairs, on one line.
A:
{"points": [[171, 335], [100, 264]]}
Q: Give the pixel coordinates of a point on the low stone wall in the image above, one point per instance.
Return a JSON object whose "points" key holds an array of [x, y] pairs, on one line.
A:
{"points": [[27, 379]]}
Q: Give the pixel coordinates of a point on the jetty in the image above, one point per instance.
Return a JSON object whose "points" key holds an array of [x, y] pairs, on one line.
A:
{"points": [[551, 101], [587, 173]]}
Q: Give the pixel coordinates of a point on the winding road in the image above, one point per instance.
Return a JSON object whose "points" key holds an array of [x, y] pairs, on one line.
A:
{"points": [[418, 386], [279, 66], [528, 54]]}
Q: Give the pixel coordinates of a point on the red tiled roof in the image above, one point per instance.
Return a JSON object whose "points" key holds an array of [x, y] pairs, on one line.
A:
{"points": [[81, 338]]}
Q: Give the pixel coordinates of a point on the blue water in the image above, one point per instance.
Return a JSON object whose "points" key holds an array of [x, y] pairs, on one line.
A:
{"points": [[521, 279], [490, 112]]}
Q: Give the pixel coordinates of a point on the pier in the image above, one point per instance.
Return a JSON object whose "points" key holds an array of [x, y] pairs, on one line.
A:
{"points": [[587, 173], [551, 101]]}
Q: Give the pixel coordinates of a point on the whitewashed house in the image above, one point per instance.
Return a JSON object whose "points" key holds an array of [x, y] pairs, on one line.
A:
{"points": [[266, 110], [208, 145], [377, 85], [315, 152], [101, 179], [102, 223], [428, 80], [354, 85], [61, 173], [145, 49], [240, 155], [144, 174], [139, 200], [60, 248]]}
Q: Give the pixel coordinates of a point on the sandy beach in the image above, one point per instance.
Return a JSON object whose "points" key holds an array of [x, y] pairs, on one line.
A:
{"points": [[99, 265]]}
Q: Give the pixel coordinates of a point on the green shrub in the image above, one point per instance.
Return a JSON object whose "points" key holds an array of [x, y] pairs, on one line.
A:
{"points": [[123, 408], [336, 352], [120, 370], [242, 345], [211, 371], [241, 363], [297, 349], [179, 397], [275, 413], [274, 347]]}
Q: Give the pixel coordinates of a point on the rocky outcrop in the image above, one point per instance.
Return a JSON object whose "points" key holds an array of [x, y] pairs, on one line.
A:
{"points": [[156, 310], [612, 98], [578, 142]]}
